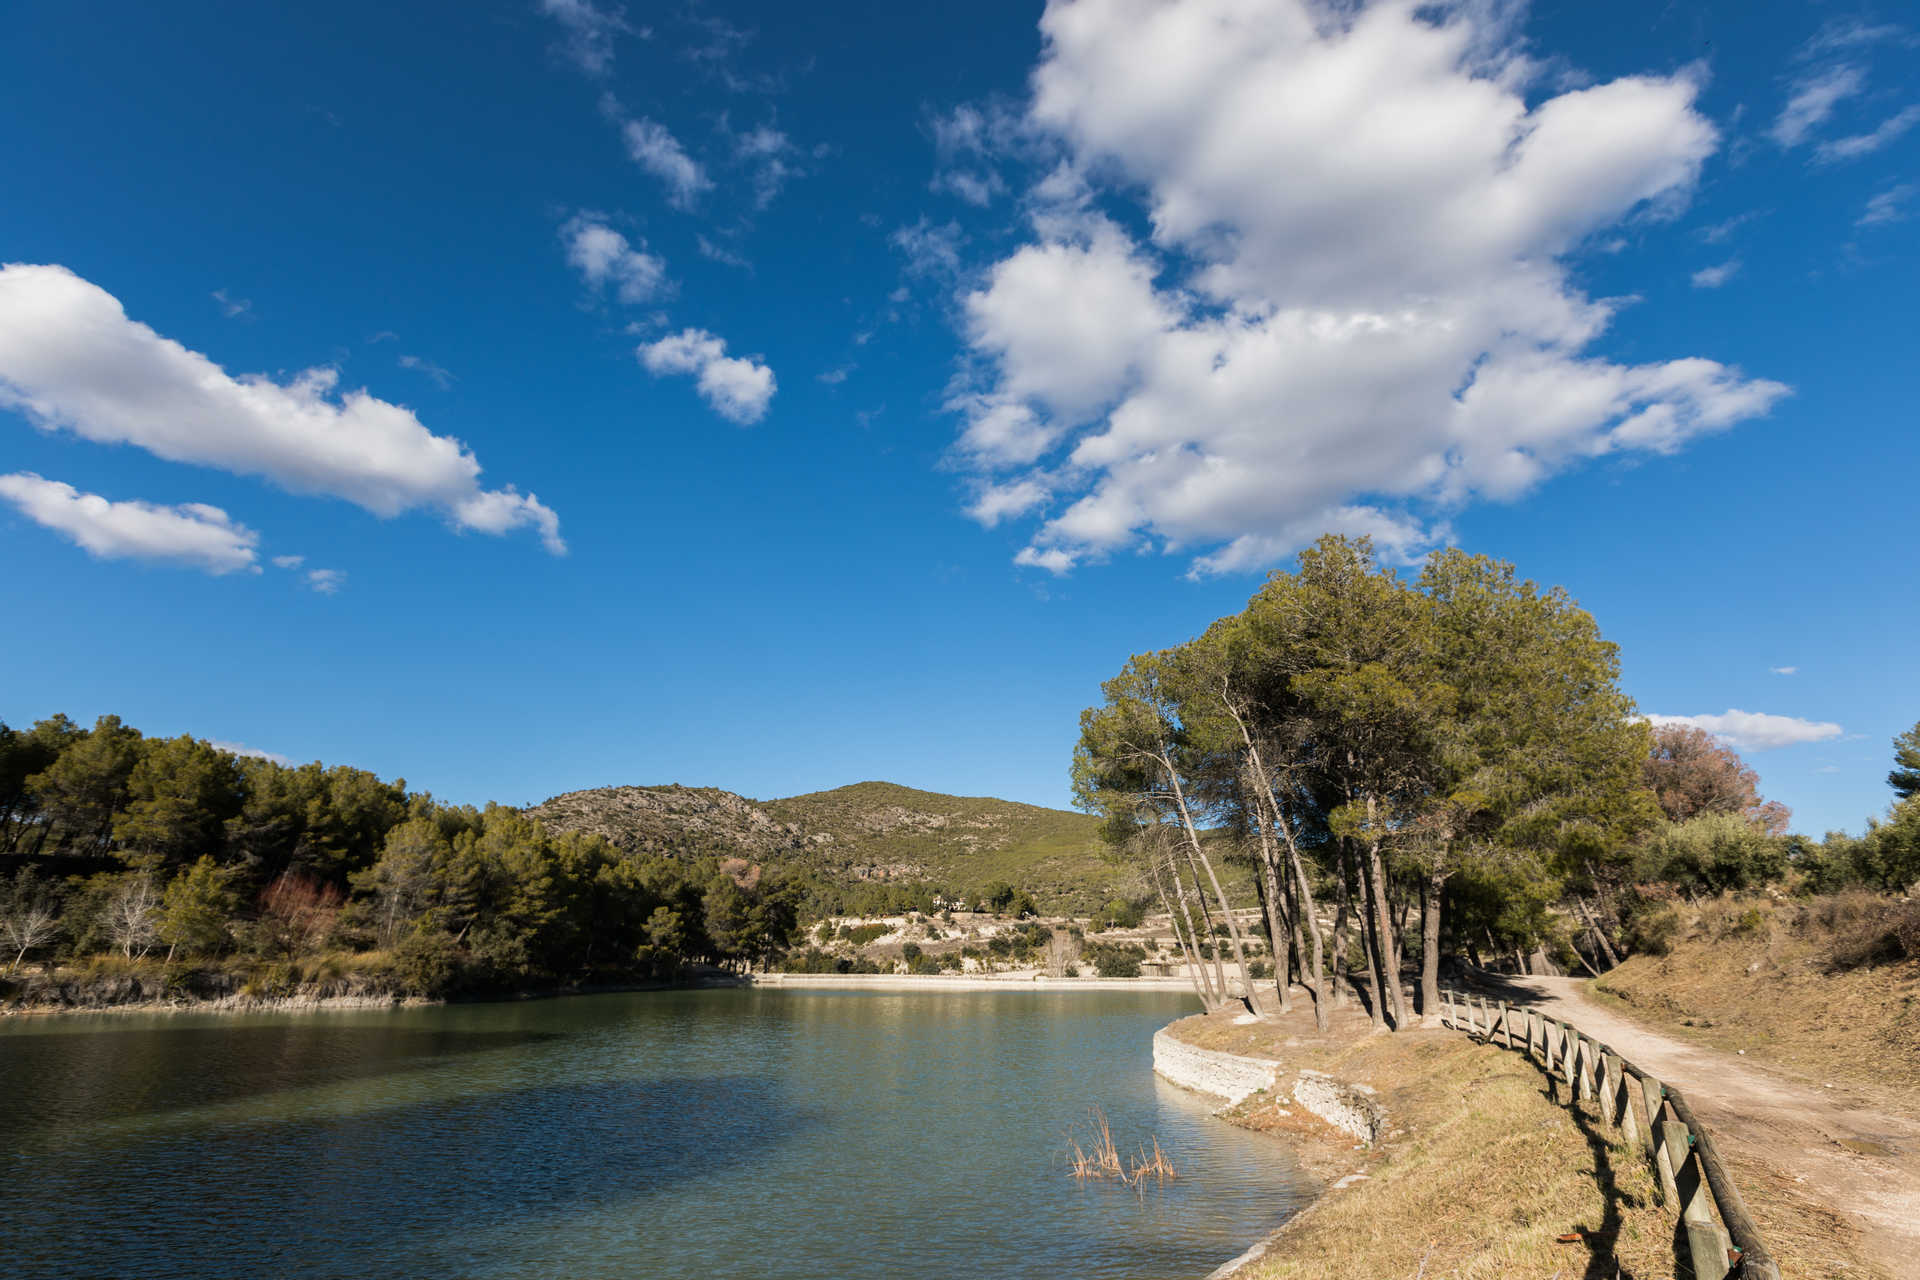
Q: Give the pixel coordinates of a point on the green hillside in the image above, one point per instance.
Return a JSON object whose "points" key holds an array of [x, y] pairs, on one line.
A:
{"points": [[870, 831], [881, 830]]}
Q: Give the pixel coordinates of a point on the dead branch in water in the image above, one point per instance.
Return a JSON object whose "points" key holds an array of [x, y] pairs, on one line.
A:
{"points": [[1103, 1160]]}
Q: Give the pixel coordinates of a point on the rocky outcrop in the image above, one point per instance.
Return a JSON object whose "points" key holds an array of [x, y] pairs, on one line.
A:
{"points": [[675, 819]]}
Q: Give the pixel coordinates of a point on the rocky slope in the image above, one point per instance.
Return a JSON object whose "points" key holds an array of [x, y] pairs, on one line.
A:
{"points": [[867, 831]]}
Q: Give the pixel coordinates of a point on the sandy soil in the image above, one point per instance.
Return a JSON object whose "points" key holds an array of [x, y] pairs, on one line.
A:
{"points": [[1855, 1155]]}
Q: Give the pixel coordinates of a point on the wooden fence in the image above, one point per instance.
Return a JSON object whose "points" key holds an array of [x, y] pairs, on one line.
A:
{"points": [[1721, 1235]]}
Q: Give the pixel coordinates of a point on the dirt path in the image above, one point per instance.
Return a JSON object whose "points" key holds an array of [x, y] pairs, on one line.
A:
{"points": [[1846, 1154]]}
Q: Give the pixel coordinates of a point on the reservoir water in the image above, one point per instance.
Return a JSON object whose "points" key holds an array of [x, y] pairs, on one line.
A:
{"points": [[782, 1135]]}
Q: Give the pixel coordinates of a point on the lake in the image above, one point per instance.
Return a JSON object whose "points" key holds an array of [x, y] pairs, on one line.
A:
{"points": [[783, 1135]]}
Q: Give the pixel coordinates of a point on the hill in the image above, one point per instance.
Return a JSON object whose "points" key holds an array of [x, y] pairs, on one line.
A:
{"points": [[865, 832]]}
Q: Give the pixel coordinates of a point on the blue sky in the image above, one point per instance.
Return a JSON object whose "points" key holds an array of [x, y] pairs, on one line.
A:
{"points": [[774, 397]]}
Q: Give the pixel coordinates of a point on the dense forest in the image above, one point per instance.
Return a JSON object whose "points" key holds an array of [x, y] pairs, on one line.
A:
{"points": [[1417, 768], [115, 847]]}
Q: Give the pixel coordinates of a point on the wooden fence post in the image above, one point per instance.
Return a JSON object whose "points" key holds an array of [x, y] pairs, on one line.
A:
{"points": [[1706, 1240], [1629, 1132], [1656, 1138]]}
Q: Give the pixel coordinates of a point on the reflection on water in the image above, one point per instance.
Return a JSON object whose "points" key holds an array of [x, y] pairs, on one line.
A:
{"points": [[781, 1134]]}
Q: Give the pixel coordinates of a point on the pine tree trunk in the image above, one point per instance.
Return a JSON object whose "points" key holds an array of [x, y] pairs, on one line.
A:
{"points": [[1233, 926], [1341, 924], [1209, 999], [1430, 947]]}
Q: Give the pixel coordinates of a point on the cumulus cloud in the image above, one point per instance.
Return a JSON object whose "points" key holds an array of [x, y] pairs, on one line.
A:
{"points": [[1785, 671], [604, 257], [1755, 730], [590, 29], [288, 562], [1351, 309], [738, 388], [653, 147], [327, 581], [1714, 277], [71, 359], [191, 534]]}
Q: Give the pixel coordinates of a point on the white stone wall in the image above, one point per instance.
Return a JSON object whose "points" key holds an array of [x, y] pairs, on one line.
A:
{"points": [[1348, 1107], [1224, 1075]]}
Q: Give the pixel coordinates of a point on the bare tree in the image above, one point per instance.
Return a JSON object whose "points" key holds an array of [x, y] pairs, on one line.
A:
{"points": [[26, 926], [297, 914], [133, 916]]}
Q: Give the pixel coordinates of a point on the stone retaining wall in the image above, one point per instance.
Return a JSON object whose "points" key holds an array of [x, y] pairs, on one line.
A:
{"points": [[1224, 1075], [1349, 1108]]}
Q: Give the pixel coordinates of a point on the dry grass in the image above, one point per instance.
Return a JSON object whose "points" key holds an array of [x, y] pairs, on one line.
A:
{"points": [[1100, 1160], [1787, 983], [1481, 1174]]}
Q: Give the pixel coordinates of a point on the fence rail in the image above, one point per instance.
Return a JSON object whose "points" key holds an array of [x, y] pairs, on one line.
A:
{"points": [[1721, 1236]]}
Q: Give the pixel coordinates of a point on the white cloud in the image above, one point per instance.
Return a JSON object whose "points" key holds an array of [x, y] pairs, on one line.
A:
{"points": [[1053, 560], [1714, 277], [997, 502], [288, 562], [327, 581], [1888, 206], [1719, 232], [1852, 148], [968, 143], [771, 157], [252, 753], [1757, 731], [1814, 97], [737, 388], [1785, 671], [191, 534], [721, 253], [1351, 310], [420, 364], [834, 377], [931, 249], [604, 257], [654, 148], [70, 358], [1851, 33], [232, 308], [590, 29]]}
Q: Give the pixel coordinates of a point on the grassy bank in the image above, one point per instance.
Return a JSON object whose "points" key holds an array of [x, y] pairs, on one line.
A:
{"points": [[1478, 1175], [1824, 988]]}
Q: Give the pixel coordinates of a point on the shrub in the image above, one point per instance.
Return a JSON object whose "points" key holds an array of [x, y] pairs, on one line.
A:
{"points": [[1873, 932], [1259, 969], [1115, 961], [1652, 930]]}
